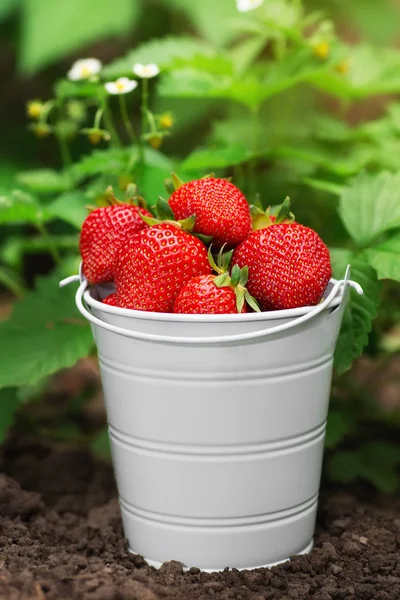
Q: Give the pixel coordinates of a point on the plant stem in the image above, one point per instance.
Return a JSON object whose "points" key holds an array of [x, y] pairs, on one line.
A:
{"points": [[254, 148], [108, 120], [125, 118], [64, 151], [97, 118], [51, 245], [11, 283], [144, 110]]}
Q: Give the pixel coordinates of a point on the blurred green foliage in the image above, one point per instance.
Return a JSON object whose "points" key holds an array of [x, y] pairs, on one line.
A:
{"points": [[266, 96]]}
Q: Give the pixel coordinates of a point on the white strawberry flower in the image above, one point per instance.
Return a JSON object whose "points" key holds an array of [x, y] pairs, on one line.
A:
{"points": [[84, 68], [146, 71], [246, 5], [122, 85]]}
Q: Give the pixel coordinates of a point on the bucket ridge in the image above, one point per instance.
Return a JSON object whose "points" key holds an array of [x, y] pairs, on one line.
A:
{"points": [[239, 521], [213, 451]]}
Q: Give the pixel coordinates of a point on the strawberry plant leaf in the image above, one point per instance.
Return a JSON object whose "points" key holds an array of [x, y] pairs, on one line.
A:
{"points": [[100, 445], [64, 32], [156, 169], [219, 29], [299, 65], [16, 247], [44, 333], [20, 207], [375, 462], [45, 181], [372, 71], [344, 466], [112, 161], [70, 208], [326, 186], [79, 89], [12, 281], [9, 404], [370, 205], [385, 258], [216, 158], [244, 54], [7, 7], [339, 425], [360, 310], [168, 52]]}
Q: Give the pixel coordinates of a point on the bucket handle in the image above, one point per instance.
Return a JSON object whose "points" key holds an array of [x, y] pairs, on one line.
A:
{"points": [[150, 337]]}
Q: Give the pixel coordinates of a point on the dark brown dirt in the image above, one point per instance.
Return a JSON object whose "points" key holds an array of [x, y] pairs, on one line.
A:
{"points": [[61, 538]]}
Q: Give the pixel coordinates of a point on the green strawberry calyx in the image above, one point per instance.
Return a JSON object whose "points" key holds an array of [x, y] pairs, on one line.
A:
{"points": [[262, 219], [164, 214], [236, 279], [109, 199]]}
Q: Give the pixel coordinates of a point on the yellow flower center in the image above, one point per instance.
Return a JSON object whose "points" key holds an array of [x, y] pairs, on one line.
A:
{"points": [[120, 85], [85, 71], [166, 121], [34, 109], [343, 66], [322, 50]]}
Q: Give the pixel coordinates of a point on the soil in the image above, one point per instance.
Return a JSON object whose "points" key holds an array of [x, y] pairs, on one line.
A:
{"points": [[61, 538]]}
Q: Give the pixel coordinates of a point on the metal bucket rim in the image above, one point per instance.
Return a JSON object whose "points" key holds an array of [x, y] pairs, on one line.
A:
{"points": [[244, 317]]}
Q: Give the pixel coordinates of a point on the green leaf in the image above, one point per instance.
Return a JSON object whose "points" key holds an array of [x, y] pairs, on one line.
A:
{"points": [[9, 404], [111, 161], [157, 168], [372, 71], [344, 466], [79, 89], [379, 464], [213, 20], [327, 128], [49, 33], [69, 207], [299, 65], [326, 186], [360, 310], [339, 425], [16, 247], [45, 333], [45, 181], [385, 258], [245, 53], [376, 21], [168, 53], [7, 7], [216, 158], [370, 205], [100, 445], [12, 281], [339, 162], [19, 207], [375, 462]]}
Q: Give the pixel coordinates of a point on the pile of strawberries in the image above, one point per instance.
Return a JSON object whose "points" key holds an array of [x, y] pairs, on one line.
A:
{"points": [[207, 251]]}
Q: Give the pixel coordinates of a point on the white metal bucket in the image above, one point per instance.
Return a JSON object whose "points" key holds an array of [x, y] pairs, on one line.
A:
{"points": [[217, 427]]}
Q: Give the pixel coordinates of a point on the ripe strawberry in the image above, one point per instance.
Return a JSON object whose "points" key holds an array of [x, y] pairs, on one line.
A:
{"points": [[289, 265], [201, 296], [111, 300], [155, 264], [220, 208], [103, 231], [224, 294]]}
